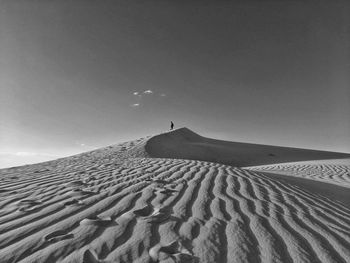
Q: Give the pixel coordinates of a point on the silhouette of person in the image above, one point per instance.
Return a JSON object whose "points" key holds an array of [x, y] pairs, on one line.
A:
{"points": [[171, 125]]}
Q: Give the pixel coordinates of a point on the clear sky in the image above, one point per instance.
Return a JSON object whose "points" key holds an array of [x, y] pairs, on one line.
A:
{"points": [[77, 75]]}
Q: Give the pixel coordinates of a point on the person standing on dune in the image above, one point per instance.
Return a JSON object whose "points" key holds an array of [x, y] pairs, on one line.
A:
{"points": [[171, 125]]}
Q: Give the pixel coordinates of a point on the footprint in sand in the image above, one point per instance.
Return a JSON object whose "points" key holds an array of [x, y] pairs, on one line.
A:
{"points": [[151, 214], [173, 185], [58, 236], [174, 250], [97, 221], [165, 191]]}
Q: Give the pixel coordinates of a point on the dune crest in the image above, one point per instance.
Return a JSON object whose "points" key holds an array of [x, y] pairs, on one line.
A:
{"points": [[185, 144], [119, 204]]}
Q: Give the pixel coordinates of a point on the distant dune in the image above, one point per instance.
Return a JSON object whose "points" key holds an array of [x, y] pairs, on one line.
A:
{"points": [[178, 197], [185, 144]]}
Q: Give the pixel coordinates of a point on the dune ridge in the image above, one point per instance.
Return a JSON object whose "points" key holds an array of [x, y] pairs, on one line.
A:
{"points": [[185, 144], [118, 204]]}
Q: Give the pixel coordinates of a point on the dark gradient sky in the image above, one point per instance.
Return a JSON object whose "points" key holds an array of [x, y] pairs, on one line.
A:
{"points": [[275, 72]]}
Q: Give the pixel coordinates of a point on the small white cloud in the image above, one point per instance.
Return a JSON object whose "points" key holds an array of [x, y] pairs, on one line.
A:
{"points": [[148, 91], [136, 93], [135, 105], [83, 144], [162, 95]]}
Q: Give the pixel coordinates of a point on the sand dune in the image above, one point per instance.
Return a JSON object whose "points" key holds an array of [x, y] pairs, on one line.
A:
{"points": [[117, 204], [185, 144], [329, 171]]}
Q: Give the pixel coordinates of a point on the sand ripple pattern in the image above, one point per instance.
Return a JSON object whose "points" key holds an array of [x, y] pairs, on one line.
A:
{"points": [[330, 173], [111, 206]]}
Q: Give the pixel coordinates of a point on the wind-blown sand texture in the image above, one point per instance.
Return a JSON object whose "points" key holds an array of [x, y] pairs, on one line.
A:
{"points": [[185, 144], [118, 204], [334, 172]]}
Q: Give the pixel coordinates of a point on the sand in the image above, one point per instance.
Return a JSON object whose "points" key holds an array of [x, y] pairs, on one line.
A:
{"points": [[133, 202], [185, 144]]}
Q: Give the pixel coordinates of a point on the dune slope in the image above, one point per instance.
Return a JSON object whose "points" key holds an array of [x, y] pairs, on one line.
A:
{"points": [[119, 205], [185, 144], [328, 171]]}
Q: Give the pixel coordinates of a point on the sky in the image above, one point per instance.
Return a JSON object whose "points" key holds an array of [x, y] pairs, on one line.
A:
{"points": [[79, 75]]}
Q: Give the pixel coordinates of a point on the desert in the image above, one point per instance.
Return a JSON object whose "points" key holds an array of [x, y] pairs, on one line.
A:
{"points": [[139, 201]]}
